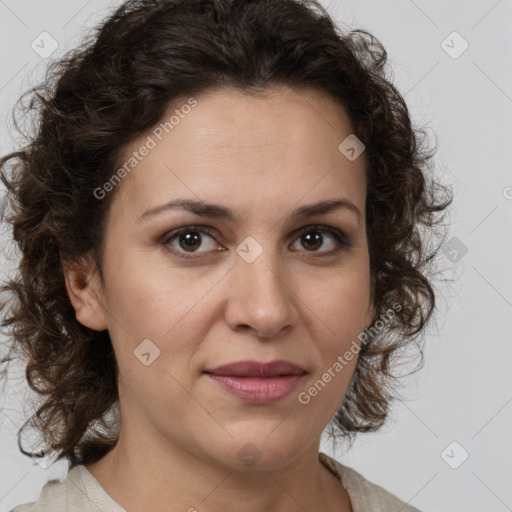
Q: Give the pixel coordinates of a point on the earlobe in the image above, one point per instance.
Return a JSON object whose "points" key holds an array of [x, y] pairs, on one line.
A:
{"points": [[84, 291]]}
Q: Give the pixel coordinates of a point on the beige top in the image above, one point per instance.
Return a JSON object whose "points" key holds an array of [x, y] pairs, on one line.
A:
{"points": [[81, 492]]}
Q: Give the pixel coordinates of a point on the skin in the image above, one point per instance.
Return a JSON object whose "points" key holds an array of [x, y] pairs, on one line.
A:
{"points": [[261, 157]]}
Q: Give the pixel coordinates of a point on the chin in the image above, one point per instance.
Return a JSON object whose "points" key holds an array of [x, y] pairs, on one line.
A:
{"points": [[261, 451]]}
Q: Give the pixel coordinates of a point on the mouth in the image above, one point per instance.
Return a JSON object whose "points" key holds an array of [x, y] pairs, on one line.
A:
{"points": [[258, 383], [252, 368]]}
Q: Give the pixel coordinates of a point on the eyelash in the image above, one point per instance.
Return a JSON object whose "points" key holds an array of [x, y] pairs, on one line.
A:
{"points": [[340, 237]]}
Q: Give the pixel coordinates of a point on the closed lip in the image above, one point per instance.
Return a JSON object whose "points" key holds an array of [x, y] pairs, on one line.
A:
{"points": [[253, 368]]}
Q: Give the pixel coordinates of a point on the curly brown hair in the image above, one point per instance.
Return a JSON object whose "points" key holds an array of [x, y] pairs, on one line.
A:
{"points": [[116, 85]]}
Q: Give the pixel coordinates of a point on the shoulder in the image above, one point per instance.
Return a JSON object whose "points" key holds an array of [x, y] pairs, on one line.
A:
{"points": [[73, 494], [53, 497], [365, 495]]}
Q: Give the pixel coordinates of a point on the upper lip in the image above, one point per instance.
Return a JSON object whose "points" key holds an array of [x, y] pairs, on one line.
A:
{"points": [[258, 369]]}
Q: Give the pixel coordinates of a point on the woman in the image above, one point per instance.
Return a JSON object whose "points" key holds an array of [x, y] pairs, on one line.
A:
{"points": [[222, 219]]}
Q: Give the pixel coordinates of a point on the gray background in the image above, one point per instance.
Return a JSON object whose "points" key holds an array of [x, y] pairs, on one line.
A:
{"points": [[464, 393]]}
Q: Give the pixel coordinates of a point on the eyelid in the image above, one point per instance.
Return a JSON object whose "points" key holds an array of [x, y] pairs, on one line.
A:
{"points": [[323, 228], [170, 235], [342, 239]]}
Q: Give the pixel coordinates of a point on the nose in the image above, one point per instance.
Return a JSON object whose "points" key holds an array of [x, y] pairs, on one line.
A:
{"points": [[261, 298]]}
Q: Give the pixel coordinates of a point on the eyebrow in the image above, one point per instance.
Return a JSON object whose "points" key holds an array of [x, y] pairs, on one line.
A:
{"points": [[216, 211]]}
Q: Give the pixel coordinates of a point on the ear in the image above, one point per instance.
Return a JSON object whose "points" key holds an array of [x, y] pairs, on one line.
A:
{"points": [[84, 289]]}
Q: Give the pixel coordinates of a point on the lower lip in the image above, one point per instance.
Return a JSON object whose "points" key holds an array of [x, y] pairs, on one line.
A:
{"points": [[256, 390]]}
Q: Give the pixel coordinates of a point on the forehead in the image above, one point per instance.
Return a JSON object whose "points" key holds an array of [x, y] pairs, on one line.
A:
{"points": [[245, 148]]}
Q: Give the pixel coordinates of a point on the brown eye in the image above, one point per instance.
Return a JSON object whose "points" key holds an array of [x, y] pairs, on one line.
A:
{"points": [[185, 242], [313, 242], [189, 240], [314, 238]]}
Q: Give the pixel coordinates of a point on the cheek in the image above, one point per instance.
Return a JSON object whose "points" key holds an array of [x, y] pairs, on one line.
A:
{"points": [[172, 308], [339, 309], [151, 300]]}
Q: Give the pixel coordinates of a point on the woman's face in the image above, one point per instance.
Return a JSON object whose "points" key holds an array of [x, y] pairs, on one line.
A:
{"points": [[260, 284]]}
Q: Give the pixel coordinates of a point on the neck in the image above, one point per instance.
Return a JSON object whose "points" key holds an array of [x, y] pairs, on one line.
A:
{"points": [[154, 478]]}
